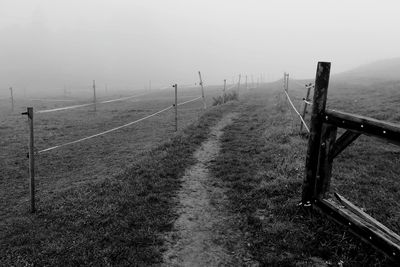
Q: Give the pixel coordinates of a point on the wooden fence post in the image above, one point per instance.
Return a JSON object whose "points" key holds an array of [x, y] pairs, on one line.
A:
{"points": [[223, 93], [176, 106], [12, 99], [94, 94], [287, 82], [284, 81], [202, 92], [305, 105], [328, 138], [314, 140], [31, 156]]}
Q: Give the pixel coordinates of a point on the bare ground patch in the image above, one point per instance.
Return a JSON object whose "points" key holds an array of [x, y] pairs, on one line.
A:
{"points": [[204, 231]]}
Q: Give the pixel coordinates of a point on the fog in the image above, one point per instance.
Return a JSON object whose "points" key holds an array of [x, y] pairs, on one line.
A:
{"points": [[51, 44]]}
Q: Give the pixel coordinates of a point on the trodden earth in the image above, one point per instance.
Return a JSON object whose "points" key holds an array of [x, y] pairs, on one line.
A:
{"points": [[204, 225]]}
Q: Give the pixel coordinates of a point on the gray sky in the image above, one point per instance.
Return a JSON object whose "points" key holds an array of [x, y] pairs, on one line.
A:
{"points": [[51, 43]]}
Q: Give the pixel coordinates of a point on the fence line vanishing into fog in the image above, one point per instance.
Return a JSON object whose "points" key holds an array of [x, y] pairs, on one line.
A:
{"points": [[30, 114]]}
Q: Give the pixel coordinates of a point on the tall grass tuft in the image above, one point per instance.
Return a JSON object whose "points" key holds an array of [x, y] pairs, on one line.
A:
{"points": [[228, 97]]}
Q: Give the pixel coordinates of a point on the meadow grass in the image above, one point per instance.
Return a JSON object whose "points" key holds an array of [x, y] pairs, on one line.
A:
{"points": [[112, 203]]}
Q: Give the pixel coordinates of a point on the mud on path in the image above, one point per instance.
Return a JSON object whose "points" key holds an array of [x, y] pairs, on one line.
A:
{"points": [[203, 234]]}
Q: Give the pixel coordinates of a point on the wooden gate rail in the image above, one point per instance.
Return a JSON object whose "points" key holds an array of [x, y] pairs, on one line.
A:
{"points": [[323, 147], [364, 125]]}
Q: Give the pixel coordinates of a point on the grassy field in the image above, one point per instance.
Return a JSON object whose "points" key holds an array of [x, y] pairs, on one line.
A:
{"points": [[119, 220], [91, 160], [110, 200]]}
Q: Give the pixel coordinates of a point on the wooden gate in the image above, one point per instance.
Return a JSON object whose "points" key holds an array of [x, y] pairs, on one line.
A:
{"points": [[323, 147]]}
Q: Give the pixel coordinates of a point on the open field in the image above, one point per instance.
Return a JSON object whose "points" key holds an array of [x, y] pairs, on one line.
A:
{"points": [[93, 159], [118, 220]]}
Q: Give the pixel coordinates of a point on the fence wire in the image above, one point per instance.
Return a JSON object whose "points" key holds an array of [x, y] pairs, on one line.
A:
{"points": [[294, 108], [89, 104], [116, 128]]}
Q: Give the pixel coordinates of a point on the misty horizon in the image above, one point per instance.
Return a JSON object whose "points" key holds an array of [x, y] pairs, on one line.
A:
{"points": [[49, 45]]}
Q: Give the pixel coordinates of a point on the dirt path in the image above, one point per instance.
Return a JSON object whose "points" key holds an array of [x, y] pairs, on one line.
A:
{"points": [[204, 231]]}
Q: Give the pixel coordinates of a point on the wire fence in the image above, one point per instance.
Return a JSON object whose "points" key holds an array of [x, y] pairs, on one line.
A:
{"points": [[116, 128], [90, 104], [306, 101], [30, 113], [295, 110], [52, 100]]}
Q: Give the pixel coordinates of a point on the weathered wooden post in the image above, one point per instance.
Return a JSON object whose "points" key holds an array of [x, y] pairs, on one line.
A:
{"points": [[305, 105], [328, 138], [223, 93], [94, 94], [246, 84], [176, 106], [287, 82], [12, 99], [284, 81], [202, 91], [31, 154], [314, 140]]}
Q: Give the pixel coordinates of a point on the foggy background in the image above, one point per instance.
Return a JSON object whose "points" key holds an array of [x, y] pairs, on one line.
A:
{"points": [[49, 44]]}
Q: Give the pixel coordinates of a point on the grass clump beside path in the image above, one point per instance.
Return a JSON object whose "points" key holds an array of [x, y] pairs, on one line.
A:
{"points": [[118, 221], [262, 164]]}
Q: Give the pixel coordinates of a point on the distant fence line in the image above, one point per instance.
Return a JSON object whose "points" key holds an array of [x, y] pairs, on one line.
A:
{"points": [[30, 114]]}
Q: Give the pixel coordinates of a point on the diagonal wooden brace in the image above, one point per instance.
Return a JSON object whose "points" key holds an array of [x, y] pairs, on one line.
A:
{"points": [[342, 142]]}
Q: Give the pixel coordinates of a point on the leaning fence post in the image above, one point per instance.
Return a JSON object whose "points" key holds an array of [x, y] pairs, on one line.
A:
{"points": [[223, 93], [287, 82], [31, 154], [305, 105], [176, 106], [314, 140], [202, 91]]}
